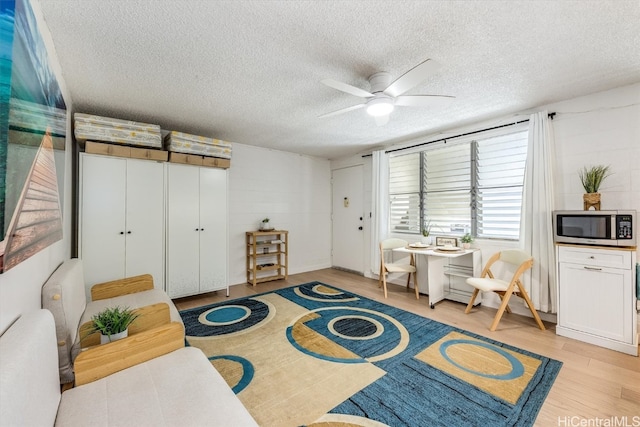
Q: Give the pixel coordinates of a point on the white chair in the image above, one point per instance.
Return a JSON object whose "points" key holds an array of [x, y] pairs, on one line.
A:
{"points": [[488, 283], [386, 246]]}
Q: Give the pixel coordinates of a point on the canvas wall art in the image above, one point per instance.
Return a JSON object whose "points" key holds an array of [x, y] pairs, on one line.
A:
{"points": [[33, 121]]}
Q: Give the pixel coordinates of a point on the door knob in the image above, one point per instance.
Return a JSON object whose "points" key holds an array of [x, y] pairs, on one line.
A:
{"points": [[360, 228], [122, 232], [128, 232]]}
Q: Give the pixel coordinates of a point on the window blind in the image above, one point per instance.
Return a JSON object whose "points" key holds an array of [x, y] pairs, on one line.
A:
{"points": [[404, 192], [500, 166], [473, 187], [447, 189]]}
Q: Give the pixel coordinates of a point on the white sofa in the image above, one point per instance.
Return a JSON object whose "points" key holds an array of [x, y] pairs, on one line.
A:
{"points": [[180, 388], [64, 295]]}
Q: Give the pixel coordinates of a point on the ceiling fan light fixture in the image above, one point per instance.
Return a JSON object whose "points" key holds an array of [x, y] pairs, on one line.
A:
{"points": [[380, 107]]}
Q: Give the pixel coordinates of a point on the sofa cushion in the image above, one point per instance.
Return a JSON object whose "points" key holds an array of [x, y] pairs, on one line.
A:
{"points": [[180, 388], [29, 382], [64, 295], [132, 301]]}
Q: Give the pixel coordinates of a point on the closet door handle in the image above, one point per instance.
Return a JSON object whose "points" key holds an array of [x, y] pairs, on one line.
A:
{"points": [[128, 232]]}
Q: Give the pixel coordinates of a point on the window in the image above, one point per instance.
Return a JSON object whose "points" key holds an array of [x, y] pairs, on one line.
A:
{"points": [[404, 189], [446, 189], [500, 178], [471, 187]]}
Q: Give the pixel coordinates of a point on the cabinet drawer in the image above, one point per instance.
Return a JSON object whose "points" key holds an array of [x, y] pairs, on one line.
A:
{"points": [[614, 258]]}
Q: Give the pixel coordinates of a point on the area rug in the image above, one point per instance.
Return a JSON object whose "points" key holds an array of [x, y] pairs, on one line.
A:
{"points": [[316, 355]]}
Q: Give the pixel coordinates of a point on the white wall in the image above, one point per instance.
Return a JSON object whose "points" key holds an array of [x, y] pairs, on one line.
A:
{"points": [[20, 287], [294, 192], [600, 128], [603, 128]]}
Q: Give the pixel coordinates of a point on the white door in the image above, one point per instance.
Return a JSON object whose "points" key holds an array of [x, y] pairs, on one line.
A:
{"points": [[102, 218], [183, 230], [145, 220], [213, 229], [348, 219]]}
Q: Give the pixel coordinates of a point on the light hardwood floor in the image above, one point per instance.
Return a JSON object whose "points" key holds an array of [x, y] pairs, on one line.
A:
{"points": [[594, 383]]}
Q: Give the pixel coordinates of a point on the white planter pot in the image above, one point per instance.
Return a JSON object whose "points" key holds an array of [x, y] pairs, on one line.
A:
{"points": [[113, 337]]}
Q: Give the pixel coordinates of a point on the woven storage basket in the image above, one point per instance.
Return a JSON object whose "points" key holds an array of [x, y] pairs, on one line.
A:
{"points": [[591, 199]]}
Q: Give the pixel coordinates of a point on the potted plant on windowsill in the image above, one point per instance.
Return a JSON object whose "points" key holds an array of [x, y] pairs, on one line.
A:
{"points": [[466, 240], [591, 179], [112, 323], [426, 232]]}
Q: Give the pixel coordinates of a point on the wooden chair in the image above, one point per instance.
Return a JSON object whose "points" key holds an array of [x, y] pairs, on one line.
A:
{"points": [[389, 267], [487, 282]]}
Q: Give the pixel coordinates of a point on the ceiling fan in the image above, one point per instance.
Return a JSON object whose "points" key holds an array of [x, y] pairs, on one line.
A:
{"points": [[385, 95]]}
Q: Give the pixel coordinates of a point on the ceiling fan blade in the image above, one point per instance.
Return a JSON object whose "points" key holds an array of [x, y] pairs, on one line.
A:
{"points": [[346, 88], [412, 78], [382, 120], [343, 110], [424, 100]]}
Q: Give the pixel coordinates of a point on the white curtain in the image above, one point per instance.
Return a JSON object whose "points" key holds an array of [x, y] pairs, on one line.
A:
{"points": [[536, 230], [380, 197]]}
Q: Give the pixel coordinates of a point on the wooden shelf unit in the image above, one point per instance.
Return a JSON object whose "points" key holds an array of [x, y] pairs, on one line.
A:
{"points": [[267, 256]]}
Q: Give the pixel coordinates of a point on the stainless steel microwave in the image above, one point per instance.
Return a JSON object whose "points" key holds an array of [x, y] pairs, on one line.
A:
{"points": [[603, 228]]}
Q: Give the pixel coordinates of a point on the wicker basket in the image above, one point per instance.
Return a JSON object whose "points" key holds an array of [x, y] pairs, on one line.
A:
{"points": [[591, 200]]}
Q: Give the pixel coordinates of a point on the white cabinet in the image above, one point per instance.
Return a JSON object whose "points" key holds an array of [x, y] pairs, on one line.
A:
{"points": [[197, 238], [443, 275], [121, 218], [457, 271], [596, 296]]}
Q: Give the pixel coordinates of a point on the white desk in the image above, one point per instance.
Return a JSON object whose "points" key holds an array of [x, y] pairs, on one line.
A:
{"points": [[440, 277]]}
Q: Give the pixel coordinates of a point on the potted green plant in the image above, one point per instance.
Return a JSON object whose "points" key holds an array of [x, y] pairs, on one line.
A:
{"points": [[466, 240], [112, 323], [591, 179], [426, 231], [265, 225]]}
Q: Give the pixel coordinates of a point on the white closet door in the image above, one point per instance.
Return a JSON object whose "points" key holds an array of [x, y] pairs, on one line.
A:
{"points": [[145, 220], [213, 225], [183, 231], [102, 218]]}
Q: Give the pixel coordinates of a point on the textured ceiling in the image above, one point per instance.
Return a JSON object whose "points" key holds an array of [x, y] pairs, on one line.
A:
{"points": [[250, 71]]}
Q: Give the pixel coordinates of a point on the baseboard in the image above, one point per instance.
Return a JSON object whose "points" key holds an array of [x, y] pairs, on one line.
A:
{"points": [[599, 341]]}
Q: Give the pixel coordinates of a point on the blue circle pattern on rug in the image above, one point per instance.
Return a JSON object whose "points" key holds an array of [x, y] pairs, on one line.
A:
{"points": [[516, 366], [359, 335], [226, 315], [247, 370], [355, 327], [225, 319], [322, 293]]}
